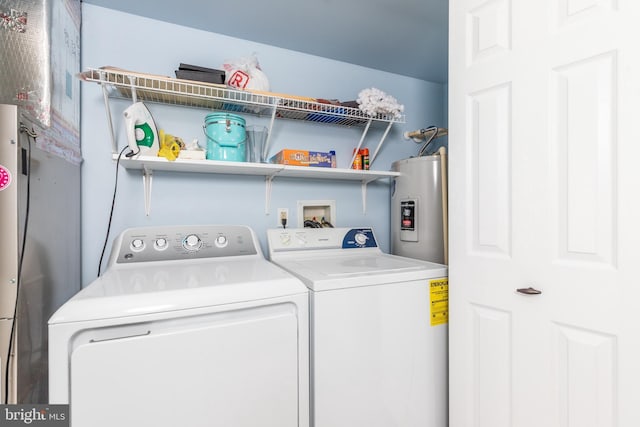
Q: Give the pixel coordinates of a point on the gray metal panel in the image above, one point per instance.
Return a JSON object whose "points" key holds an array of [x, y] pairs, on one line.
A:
{"points": [[420, 180], [51, 268]]}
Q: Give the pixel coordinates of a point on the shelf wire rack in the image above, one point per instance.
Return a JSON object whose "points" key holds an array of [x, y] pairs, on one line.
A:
{"points": [[166, 90]]}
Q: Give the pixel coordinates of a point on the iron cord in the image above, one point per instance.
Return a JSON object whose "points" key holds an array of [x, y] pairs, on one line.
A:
{"points": [[113, 203]]}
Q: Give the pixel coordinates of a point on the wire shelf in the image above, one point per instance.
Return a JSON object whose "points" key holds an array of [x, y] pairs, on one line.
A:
{"points": [[118, 83], [160, 89]]}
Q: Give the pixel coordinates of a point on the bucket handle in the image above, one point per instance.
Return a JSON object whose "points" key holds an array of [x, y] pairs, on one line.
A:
{"points": [[204, 128]]}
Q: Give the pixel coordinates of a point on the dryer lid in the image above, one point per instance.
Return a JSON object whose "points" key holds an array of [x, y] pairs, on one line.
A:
{"points": [[178, 286]]}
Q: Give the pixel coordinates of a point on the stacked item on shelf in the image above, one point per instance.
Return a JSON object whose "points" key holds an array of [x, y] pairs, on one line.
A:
{"points": [[201, 74], [156, 88], [304, 158], [361, 160], [324, 117]]}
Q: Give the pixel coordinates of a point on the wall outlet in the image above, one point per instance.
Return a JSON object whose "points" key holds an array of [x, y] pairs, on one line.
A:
{"points": [[283, 215]]}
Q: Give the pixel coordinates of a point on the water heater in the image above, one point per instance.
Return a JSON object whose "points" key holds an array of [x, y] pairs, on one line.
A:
{"points": [[418, 224]]}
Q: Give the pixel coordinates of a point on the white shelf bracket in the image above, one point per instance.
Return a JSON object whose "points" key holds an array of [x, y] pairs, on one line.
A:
{"points": [[364, 197], [134, 95], [384, 136], [268, 180], [147, 177], [355, 152], [107, 109], [267, 143]]}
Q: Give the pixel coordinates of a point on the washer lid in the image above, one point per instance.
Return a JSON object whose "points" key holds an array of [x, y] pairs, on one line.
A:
{"points": [[362, 269], [179, 285]]}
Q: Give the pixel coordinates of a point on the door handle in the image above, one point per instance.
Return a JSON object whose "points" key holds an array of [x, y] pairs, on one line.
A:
{"points": [[529, 291]]}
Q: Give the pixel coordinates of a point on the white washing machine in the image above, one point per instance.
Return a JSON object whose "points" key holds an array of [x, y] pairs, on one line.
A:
{"points": [[378, 329], [188, 326]]}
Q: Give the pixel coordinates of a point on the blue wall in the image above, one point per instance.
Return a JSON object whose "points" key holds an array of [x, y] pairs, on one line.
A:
{"points": [[139, 44]]}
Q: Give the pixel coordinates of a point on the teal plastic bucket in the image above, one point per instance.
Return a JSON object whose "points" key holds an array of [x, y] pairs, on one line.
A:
{"points": [[226, 137]]}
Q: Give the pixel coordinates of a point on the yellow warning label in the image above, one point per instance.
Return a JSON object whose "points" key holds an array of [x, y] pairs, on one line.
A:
{"points": [[439, 298]]}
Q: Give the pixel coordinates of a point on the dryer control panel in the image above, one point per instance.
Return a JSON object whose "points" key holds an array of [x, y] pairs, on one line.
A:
{"points": [[148, 244]]}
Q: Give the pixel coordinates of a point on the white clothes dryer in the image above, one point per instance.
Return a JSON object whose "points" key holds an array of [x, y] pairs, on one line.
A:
{"points": [[188, 326], [378, 329]]}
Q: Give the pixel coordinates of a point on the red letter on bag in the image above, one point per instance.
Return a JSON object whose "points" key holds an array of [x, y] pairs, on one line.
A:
{"points": [[239, 79]]}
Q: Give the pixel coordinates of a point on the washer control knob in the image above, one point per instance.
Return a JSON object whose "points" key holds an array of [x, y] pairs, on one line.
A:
{"points": [[285, 239], [192, 242], [221, 241], [137, 245], [161, 244], [361, 239]]}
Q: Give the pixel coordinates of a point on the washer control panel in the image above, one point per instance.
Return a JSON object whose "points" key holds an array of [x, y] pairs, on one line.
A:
{"points": [[148, 244], [320, 238], [359, 238]]}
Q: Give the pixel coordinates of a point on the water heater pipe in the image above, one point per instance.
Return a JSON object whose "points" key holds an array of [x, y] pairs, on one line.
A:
{"points": [[422, 134], [445, 208]]}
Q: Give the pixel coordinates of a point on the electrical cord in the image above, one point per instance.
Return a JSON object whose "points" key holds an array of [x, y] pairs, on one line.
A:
{"points": [[131, 153], [326, 223], [313, 223], [113, 203], [30, 134], [308, 223]]}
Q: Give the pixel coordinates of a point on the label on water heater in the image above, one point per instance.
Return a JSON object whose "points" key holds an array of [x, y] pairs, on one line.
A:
{"points": [[408, 220], [408, 215]]}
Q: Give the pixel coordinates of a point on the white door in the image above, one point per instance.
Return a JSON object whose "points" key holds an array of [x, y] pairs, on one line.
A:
{"points": [[544, 192]]}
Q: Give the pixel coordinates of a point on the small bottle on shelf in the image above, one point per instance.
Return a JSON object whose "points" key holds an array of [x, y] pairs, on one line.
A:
{"points": [[357, 161], [365, 158]]}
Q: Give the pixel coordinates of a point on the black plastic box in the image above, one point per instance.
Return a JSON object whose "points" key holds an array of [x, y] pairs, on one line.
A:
{"points": [[201, 74]]}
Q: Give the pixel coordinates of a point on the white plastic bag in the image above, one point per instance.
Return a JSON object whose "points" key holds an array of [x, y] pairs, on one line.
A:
{"points": [[245, 73]]}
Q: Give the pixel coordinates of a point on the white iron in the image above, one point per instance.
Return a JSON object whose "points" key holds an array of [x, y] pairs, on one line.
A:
{"points": [[142, 133]]}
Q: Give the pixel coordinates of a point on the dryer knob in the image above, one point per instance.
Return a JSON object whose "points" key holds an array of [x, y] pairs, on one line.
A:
{"points": [[192, 242], [137, 245], [161, 244], [221, 241]]}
